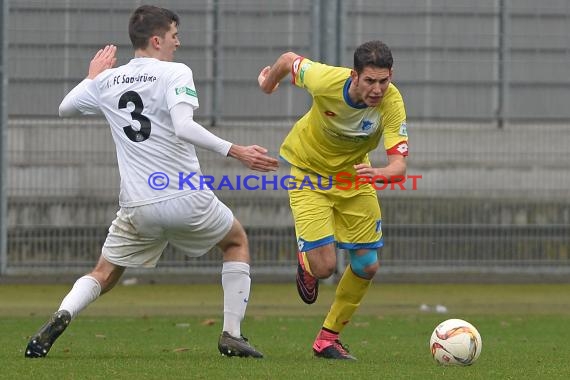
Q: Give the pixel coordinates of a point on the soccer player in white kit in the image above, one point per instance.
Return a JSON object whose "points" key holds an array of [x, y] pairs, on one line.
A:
{"points": [[149, 105]]}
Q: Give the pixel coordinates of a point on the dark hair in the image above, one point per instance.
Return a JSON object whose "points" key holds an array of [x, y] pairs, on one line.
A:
{"points": [[372, 53], [147, 21]]}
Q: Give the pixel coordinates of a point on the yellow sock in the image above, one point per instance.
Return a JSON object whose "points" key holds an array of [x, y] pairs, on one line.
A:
{"points": [[306, 263], [349, 292]]}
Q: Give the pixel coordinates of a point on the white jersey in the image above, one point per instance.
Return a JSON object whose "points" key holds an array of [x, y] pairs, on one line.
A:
{"points": [[136, 99]]}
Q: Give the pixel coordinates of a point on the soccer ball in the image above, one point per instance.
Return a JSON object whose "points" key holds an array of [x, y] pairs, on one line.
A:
{"points": [[455, 342]]}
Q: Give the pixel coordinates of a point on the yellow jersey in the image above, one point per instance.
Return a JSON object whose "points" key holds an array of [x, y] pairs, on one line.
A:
{"points": [[335, 133]]}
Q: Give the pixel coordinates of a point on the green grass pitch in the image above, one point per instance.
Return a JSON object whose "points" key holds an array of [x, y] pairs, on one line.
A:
{"points": [[171, 331]]}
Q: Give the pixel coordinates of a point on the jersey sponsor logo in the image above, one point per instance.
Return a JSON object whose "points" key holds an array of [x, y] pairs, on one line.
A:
{"points": [[330, 113], [403, 129], [337, 135], [304, 68], [186, 90]]}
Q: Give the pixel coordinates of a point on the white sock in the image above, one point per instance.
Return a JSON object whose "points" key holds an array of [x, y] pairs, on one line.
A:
{"points": [[85, 290], [236, 284]]}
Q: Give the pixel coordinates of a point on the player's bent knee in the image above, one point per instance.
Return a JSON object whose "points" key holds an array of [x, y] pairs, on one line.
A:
{"points": [[365, 265], [324, 270], [322, 261]]}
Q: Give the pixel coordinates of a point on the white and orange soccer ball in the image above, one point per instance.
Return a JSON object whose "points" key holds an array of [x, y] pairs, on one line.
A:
{"points": [[455, 342]]}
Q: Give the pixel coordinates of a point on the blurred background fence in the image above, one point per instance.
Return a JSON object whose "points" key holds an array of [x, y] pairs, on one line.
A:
{"points": [[486, 85]]}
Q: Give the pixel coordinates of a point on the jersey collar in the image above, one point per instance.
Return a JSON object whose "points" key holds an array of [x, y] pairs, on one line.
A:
{"points": [[347, 98]]}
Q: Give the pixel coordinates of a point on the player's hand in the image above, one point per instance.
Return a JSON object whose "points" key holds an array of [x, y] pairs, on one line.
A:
{"points": [[261, 80], [393, 173], [104, 59], [254, 157], [365, 170]]}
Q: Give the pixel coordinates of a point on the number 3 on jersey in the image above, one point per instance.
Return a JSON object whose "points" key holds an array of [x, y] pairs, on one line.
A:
{"points": [[136, 114]]}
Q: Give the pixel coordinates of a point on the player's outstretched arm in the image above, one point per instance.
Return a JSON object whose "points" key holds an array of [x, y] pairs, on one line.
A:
{"points": [[187, 129], [254, 157], [270, 76]]}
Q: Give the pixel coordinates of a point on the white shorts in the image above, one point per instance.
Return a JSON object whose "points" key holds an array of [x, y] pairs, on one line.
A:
{"points": [[195, 223]]}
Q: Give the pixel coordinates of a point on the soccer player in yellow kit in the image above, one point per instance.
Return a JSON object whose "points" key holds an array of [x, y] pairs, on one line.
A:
{"points": [[334, 202]]}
